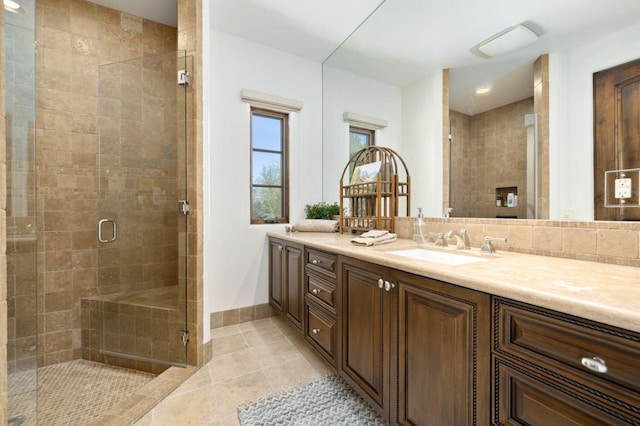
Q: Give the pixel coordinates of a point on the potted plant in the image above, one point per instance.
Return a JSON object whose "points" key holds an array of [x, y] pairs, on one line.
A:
{"points": [[322, 210]]}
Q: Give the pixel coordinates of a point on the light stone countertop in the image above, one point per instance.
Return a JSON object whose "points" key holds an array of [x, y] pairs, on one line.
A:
{"points": [[601, 292]]}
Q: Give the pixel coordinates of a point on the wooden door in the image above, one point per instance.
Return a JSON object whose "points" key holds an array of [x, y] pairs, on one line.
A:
{"points": [[365, 351], [616, 132], [276, 258], [443, 353], [294, 307]]}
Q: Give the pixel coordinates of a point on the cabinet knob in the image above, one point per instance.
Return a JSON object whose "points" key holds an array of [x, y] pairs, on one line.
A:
{"points": [[315, 261], [380, 283], [388, 286], [595, 364], [315, 330], [316, 291], [279, 247]]}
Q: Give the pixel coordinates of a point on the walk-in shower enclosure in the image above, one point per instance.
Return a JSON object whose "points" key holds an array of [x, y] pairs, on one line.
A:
{"points": [[96, 186]]}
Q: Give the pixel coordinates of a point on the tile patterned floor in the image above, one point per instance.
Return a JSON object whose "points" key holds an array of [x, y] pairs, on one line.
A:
{"points": [[250, 361], [72, 393]]}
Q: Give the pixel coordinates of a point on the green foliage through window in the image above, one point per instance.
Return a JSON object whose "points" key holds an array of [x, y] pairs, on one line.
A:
{"points": [[269, 132]]}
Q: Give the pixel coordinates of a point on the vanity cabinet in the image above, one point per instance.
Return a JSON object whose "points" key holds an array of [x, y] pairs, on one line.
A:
{"points": [[286, 279], [417, 349], [365, 332], [552, 368], [320, 302]]}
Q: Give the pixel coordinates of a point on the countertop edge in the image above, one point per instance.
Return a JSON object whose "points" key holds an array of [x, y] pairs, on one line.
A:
{"points": [[566, 299]]}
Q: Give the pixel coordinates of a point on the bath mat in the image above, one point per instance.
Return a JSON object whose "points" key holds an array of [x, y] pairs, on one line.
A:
{"points": [[329, 401]]}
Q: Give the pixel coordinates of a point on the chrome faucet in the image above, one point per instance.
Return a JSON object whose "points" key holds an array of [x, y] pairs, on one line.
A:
{"points": [[487, 247], [462, 238], [440, 242]]}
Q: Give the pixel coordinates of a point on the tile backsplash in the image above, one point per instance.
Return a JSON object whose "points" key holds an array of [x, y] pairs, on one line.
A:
{"points": [[606, 242]]}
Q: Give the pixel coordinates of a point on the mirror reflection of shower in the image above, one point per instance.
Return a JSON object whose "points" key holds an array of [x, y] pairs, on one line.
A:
{"points": [[493, 162]]}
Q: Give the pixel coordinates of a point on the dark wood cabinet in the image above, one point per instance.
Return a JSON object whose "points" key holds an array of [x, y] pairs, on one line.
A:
{"points": [[320, 303], [286, 279], [365, 333], [552, 368], [443, 353], [427, 352], [417, 349]]}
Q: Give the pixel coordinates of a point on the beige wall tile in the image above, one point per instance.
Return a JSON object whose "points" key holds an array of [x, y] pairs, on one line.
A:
{"points": [[547, 238], [579, 240], [619, 243]]}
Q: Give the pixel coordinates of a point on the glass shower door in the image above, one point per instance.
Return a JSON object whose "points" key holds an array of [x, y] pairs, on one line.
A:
{"points": [[141, 225], [21, 250]]}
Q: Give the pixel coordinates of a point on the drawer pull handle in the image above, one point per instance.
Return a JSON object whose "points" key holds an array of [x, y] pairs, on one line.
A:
{"points": [[315, 261], [594, 364], [316, 291], [380, 283], [315, 330], [388, 286]]}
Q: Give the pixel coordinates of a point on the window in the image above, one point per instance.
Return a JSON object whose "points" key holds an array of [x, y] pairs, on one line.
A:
{"points": [[269, 161], [360, 138]]}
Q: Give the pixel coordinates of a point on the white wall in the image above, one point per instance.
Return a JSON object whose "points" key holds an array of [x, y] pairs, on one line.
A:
{"points": [[421, 146], [235, 252], [571, 117], [348, 92]]}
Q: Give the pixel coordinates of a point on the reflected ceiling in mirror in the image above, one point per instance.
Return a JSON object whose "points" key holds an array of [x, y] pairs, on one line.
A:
{"points": [[405, 40]]}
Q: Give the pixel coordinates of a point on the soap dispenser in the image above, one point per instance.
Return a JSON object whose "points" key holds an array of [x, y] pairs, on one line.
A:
{"points": [[419, 231]]}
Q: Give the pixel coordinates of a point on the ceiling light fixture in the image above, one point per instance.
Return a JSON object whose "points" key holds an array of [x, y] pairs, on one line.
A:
{"points": [[506, 41], [12, 6], [483, 90]]}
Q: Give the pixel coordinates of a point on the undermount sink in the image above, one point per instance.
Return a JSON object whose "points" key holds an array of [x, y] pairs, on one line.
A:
{"points": [[443, 258]]}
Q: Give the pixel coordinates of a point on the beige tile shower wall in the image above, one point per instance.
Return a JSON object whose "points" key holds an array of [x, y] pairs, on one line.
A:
{"points": [[74, 38], [488, 151], [606, 242], [3, 277], [541, 108], [190, 39]]}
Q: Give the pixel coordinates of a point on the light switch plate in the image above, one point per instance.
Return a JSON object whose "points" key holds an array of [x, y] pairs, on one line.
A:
{"points": [[623, 188]]}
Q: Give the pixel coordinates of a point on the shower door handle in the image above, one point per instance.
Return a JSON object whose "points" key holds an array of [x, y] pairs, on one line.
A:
{"points": [[115, 230]]}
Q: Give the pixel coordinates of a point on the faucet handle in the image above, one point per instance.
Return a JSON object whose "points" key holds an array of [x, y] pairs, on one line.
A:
{"points": [[487, 247], [440, 241]]}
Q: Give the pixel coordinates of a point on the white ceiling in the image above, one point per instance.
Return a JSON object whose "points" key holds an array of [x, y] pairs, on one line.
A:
{"points": [[405, 39]]}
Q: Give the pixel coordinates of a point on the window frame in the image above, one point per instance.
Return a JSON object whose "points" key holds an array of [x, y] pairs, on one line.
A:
{"points": [[284, 162], [363, 131]]}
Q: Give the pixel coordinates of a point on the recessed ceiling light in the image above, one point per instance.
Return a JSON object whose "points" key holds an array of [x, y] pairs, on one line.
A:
{"points": [[12, 6], [483, 90]]}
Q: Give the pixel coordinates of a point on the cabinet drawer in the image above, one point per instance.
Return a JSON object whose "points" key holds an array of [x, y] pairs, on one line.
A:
{"points": [[322, 290], [321, 329], [523, 398], [548, 337], [321, 262]]}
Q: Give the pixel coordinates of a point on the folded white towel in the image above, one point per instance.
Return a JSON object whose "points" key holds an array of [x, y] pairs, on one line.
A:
{"points": [[374, 233], [317, 225], [373, 241]]}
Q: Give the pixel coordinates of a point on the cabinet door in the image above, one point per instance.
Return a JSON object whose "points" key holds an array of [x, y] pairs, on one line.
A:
{"points": [[443, 353], [294, 284], [276, 289], [365, 351]]}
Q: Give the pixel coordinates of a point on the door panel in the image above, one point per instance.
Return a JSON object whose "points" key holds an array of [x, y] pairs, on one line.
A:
{"points": [[364, 362], [616, 132], [142, 231]]}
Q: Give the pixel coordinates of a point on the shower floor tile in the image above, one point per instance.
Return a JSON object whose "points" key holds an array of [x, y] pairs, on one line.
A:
{"points": [[72, 393]]}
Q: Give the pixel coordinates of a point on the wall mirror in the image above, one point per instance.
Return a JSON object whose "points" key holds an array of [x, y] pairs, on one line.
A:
{"points": [[410, 64]]}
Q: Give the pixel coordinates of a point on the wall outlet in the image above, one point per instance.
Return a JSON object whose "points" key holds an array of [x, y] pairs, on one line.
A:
{"points": [[569, 214], [623, 188]]}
